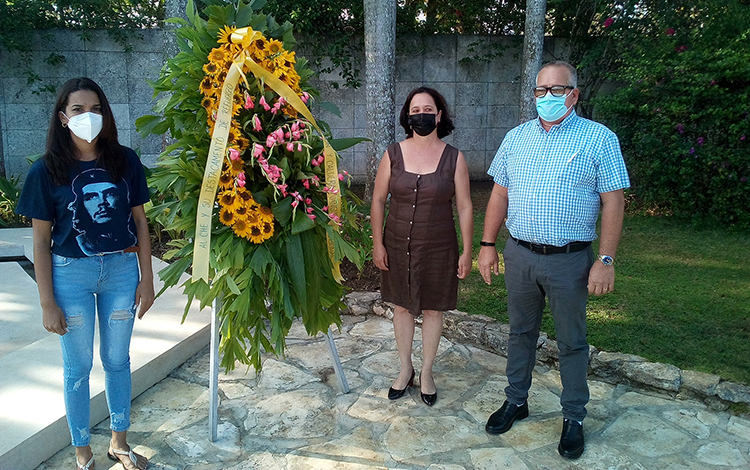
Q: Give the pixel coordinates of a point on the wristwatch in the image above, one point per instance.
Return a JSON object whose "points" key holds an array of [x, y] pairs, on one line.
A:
{"points": [[606, 260]]}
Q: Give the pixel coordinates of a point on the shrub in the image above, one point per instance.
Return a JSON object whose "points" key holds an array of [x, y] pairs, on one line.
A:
{"points": [[683, 116]]}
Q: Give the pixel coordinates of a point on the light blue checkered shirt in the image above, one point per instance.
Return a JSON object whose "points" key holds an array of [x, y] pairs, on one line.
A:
{"points": [[554, 178]]}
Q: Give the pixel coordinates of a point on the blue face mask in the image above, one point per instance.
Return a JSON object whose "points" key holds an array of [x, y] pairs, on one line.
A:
{"points": [[551, 108]]}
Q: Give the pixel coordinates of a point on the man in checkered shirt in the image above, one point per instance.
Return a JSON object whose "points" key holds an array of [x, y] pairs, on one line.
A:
{"points": [[552, 175]]}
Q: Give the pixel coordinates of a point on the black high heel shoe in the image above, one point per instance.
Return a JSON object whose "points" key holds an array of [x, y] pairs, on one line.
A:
{"points": [[395, 394], [429, 399]]}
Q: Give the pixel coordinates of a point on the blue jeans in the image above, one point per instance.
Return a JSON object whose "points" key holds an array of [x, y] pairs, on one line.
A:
{"points": [[84, 287], [561, 278]]}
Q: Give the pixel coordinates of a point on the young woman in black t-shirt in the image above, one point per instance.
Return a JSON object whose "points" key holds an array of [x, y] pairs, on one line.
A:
{"points": [[92, 256]]}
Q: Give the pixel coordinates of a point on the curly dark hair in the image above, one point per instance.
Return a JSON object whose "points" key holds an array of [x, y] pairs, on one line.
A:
{"points": [[60, 157], [444, 127]]}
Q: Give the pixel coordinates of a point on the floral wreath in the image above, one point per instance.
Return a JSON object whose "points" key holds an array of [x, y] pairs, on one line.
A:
{"points": [[251, 181]]}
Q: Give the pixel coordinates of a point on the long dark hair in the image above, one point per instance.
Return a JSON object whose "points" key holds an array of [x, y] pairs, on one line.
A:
{"points": [[444, 127], [60, 157]]}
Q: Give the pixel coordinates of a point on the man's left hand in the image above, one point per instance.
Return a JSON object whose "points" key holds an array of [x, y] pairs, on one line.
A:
{"points": [[601, 279]]}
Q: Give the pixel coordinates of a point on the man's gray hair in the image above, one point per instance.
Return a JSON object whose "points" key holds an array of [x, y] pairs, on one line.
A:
{"points": [[561, 63]]}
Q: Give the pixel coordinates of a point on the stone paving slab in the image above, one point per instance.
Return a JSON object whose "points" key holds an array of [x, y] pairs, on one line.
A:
{"points": [[294, 417]]}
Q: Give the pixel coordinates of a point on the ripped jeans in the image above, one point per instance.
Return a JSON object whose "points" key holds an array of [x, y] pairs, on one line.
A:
{"points": [[84, 287]]}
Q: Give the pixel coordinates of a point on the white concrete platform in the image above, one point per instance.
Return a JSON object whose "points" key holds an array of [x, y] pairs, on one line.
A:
{"points": [[32, 413]]}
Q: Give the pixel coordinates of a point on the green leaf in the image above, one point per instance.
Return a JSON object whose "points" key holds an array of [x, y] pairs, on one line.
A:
{"points": [[296, 266], [343, 144], [302, 223]]}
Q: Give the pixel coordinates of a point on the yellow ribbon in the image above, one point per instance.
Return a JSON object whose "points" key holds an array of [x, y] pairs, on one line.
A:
{"points": [[217, 151]]}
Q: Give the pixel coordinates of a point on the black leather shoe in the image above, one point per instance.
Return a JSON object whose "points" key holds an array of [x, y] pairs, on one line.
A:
{"points": [[395, 394], [429, 399], [571, 441], [502, 420]]}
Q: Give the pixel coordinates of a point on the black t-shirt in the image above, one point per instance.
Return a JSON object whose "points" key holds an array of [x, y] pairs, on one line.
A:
{"points": [[91, 215]]}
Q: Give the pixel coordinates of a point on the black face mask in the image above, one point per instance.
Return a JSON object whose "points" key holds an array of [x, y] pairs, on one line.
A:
{"points": [[422, 124]]}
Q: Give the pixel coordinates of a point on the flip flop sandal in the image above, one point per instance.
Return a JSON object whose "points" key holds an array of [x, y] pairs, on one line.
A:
{"points": [[88, 466], [113, 453]]}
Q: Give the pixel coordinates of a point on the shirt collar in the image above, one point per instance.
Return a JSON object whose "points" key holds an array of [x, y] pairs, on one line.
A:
{"points": [[569, 119]]}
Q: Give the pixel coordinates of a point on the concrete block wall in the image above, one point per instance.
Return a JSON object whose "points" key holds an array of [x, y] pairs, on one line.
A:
{"points": [[482, 96], [25, 116]]}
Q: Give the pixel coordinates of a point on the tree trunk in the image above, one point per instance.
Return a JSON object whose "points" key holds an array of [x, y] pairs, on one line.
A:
{"points": [[533, 48], [380, 68]]}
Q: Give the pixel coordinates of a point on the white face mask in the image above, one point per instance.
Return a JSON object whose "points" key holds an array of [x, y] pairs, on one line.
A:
{"points": [[86, 126]]}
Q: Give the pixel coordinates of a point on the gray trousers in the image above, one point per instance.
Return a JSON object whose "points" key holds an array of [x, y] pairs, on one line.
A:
{"points": [[561, 278]]}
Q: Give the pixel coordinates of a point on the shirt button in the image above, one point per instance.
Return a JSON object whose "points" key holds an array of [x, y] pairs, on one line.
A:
{"points": [[413, 206], [408, 238]]}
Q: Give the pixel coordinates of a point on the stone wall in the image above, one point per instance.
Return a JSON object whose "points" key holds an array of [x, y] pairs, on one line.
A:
{"points": [[483, 96]]}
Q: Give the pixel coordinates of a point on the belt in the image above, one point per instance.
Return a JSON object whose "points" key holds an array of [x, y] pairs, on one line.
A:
{"points": [[132, 249], [571, 247]]}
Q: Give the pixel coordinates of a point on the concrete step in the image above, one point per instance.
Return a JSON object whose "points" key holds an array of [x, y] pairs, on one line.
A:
{"points": [[32, 412]]}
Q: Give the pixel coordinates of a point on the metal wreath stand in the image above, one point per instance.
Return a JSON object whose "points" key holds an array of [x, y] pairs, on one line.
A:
{"points": [[213, 385]]}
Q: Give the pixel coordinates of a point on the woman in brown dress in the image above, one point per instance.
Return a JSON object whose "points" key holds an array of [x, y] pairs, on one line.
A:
{"points": [[417, 252]]}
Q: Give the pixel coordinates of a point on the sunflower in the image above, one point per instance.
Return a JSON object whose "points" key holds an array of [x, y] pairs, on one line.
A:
{"points": [[208, 102], [241, 211], [274, 47], [246, 196], [256, 234], [243, 143], [224, 34], [218, 55], [226, 180], [207, 85], [267, 230], [241, 227], [235, 166], [229, 200], [253, 217], [266, 214], [226, 216], [260, 43], [210, 68]]}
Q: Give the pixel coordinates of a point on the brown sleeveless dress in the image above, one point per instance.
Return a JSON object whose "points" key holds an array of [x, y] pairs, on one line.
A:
{"points": [[420, 236]]}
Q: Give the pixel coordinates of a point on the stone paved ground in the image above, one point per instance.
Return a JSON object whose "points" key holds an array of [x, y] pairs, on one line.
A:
{"points": [[294, 417]]}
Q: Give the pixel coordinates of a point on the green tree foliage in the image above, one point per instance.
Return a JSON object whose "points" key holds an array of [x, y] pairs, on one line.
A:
{"points": [[682, 112]]}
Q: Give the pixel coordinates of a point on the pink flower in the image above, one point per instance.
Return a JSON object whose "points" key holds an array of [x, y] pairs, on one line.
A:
{"points": [[742, 137], [305, 97], [299, 147], [669, 32], [680, 49], [264, 104], [341, 177], [279, 135], [315, 162], [295, 203], [310, 210], [234, 154], [270, 140], [249, 102], [276, 108], [308, 201], [258, 150], [256, 123], [290, 147], [325, 208], [282, 188], [241, 179], [312, 216], [306, 184], [608, 22]]}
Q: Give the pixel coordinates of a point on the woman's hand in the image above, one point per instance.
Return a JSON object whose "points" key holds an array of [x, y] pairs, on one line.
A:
{"points": [[53, 320], [144, 296], [464, 265], [380, 256]]}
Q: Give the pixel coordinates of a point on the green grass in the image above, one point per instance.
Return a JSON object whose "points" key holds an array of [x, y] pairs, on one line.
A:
{"points": [[682, 296]]}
